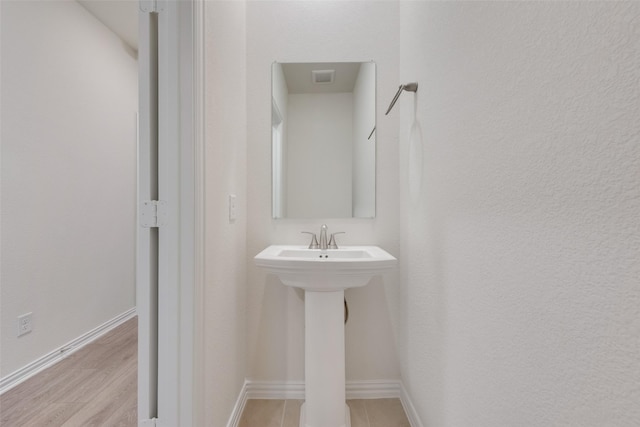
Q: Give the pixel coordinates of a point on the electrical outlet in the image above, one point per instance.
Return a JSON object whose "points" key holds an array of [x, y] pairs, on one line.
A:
{"points": [[25, 323]]}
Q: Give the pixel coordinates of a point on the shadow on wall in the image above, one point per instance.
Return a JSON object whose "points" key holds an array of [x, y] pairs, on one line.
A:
{"points": [[279, 351], [368, 334], [423, 318]]}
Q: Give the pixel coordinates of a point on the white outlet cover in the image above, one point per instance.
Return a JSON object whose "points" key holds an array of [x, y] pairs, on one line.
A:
{"points": [[25, 324]]}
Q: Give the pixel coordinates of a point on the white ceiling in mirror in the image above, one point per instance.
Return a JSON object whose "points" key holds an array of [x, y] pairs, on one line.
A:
{"points": [[299, 77]]}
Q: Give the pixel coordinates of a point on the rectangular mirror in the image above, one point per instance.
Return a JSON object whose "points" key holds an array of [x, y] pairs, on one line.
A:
{"points": [[323, 121]]}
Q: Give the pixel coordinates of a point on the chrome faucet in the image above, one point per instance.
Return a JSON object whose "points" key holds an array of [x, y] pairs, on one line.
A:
{"points": [[332, 240], [323, 237], [324, 244]]}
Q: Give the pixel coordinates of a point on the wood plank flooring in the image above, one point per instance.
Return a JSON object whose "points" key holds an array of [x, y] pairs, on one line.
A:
{"points": [[95, 386]]}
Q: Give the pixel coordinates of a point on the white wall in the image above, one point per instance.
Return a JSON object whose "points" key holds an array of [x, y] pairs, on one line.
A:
{"points": [[319, 134], [326, 31], [69, 102], [225, 168], [364, 149], [520, 255]]}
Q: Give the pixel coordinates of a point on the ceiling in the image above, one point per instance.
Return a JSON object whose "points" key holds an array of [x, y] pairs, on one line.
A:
{"points": [[120, 16], [299, 79]]}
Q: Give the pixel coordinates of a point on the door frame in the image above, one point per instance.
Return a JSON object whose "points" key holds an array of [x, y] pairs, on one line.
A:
{"points": [[175, 358]]}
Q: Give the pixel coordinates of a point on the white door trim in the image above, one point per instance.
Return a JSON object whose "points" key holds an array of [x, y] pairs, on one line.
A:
{"points": [[192, 319], [190, 328], [169, 256], [146, 238], [181, 249]]}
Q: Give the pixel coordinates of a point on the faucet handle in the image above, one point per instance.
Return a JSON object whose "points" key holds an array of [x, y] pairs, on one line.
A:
{"points": [[332, 241], [314, 241]]}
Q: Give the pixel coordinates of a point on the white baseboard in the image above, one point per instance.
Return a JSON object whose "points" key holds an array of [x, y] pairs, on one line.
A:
{"points": [[370, 389], [60, 353], [409, 409], [373, 389], [234, 419], [274, 389]]}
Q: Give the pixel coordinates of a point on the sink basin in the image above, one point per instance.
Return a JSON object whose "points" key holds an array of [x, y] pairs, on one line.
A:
{"points": [[325, 270]]}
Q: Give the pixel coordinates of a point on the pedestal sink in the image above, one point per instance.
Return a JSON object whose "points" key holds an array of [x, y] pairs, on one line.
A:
{"points": [[324, 275]]}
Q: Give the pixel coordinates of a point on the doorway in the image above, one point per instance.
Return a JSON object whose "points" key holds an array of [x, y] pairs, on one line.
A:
{"points": [[69, 92], [169, 391]]}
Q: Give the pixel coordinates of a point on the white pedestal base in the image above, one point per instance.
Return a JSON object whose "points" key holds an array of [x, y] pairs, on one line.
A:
{"points": [[324, 360], [303, 417]]}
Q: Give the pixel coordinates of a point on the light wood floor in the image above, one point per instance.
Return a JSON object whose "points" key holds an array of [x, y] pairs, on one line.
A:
{"points": [[95, 386], [286, 413]]}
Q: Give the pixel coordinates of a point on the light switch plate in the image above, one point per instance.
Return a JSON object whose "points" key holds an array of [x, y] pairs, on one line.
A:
{"points": [[233, 209]]}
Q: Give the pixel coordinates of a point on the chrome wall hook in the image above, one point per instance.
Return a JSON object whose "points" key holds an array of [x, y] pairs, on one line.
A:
{"points": [[410, 87]]}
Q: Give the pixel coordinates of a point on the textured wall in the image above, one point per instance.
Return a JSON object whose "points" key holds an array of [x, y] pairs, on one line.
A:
{"points": [[225, 169], [520, 196], [293, 31], [69, 102]]}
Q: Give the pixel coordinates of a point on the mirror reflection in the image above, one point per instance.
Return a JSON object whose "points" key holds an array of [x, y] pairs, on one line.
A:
{"points": [[323, 123]]}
